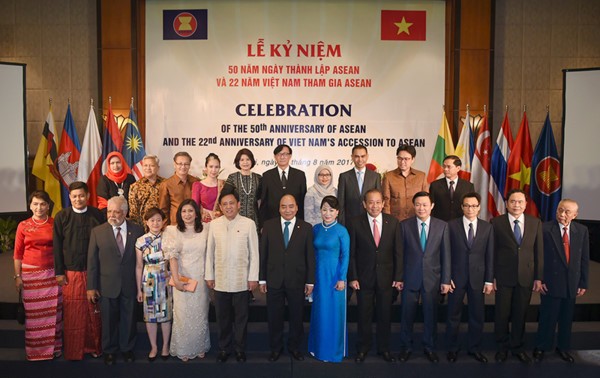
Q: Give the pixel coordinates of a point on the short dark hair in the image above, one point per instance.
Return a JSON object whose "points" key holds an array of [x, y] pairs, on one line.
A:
{"points": [[374, 190], [455, 160], [281, 147], [516, 190], [359, 147], [212, 155], [475, 195], [421, 194], [78, 185], [182, 153], [229, 189], [197, 222], [331, 201], [408, 148], [152, 212], [242, 152], [40, 194]]}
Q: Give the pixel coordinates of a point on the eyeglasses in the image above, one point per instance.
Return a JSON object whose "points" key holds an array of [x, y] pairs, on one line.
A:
{"points": [[283, 154], [404, 158], [182, 164], [470, 206]]}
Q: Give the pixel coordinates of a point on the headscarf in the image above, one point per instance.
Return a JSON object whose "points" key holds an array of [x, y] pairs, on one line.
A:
{"points": [[117, 177], [328, 190]]}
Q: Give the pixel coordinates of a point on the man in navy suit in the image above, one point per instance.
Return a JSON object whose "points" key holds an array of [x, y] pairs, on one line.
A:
{"points": [[287, 273], [375, 269], [111, 279], [472, 244], [279, 181], [426, 273], [566, 258]]}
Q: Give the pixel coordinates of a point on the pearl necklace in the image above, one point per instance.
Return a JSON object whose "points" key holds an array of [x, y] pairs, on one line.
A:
{"points": [[327, 227], [242, 184], [40, 224]]}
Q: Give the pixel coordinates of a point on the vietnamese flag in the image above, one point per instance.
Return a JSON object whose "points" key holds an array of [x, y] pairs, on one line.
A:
{"points": [[402, 25]]}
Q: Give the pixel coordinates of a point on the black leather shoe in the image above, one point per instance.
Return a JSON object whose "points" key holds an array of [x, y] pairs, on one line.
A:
{"points": [[387, 356], [129, 356], [240, 356], [478, 356], [274, 356], [523, 357], [404, 355], [165, 356], [298, 356], [451, 356], [565, 356], [360, 357], [432, 356], [109, 359], [501, 356], [222, 356], [152, 359], [538, 355]]}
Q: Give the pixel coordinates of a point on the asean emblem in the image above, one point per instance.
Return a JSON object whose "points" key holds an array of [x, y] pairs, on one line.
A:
{"points": [[547, 175], [185, 24]]}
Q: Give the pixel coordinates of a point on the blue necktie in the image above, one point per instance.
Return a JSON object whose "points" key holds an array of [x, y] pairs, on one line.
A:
{"points": [[517, 232], [423, 236], [286, 233]]}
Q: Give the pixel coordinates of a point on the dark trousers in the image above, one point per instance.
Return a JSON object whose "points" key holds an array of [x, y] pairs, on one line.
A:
{"points": [[410, 302], [276, 299], [511, 306], [232, 320], [555, 310], [476, 310], [118, 323], [367, 300]]}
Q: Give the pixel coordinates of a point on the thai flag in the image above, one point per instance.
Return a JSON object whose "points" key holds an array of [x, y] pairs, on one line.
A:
{"points": [[504, 143]]}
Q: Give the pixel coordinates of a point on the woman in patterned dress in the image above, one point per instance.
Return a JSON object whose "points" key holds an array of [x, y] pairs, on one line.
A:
{"points": [[152, 281]]}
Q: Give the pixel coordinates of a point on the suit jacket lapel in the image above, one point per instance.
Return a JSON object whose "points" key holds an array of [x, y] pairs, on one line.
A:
{"points": [[508, 229], [354, 182], [557, 239]]}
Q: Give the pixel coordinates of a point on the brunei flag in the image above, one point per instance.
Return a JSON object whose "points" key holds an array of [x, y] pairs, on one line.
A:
{"points": [[43, 164]]}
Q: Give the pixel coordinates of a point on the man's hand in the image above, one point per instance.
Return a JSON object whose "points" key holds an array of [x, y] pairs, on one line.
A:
{"points": [[580, 292], [252, 285], [263, 288], [62, 280], [537, 286], [488, 289], [210, 284], [398, 285], [354, 284], [445, 289], [92, 296], [308, 289], [544, 289]]}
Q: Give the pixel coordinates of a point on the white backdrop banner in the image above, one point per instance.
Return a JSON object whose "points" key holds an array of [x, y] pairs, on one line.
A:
{"points": [[320, 76]]}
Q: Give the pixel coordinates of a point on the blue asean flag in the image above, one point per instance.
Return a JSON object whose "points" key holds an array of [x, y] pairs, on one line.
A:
{"points": [[185, 24], [546, 188]]}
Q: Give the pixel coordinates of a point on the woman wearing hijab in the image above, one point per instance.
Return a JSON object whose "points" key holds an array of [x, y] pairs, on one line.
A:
{"points": [[115, 182], [323, 186]]}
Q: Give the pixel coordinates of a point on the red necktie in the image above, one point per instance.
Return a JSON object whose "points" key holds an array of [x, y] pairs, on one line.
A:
{"points": [[376, 234], [566, 244]]}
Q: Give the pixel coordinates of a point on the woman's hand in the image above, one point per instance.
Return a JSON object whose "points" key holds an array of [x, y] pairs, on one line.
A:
{"points": [[18, 283], [340, 285]]}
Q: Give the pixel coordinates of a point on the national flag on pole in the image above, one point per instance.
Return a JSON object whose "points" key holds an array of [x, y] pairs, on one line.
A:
{"points": [[482, 161], [463, 149], [112, 141], [68, 156], [133, 147], [546, 189], [90, 163], [43, 164], [519, 164], [504, 143], [444, 146]]}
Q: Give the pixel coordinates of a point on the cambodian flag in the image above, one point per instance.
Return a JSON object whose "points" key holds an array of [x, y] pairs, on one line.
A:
{"points": [[68, 157]]}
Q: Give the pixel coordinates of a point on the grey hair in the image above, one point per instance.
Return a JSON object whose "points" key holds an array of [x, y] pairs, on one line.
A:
{"points": [[152, 157], [120, 201]]}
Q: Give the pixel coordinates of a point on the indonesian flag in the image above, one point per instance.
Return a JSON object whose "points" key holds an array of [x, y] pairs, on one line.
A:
{"points": [[90, 162]]}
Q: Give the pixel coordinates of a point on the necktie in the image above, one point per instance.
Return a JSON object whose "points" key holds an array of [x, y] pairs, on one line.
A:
{"points": [[517, 232], [283, 180], [566, 244], [286, 234], [120, 244], [376, 235], [451, 189], [360, 181], [423, 236], [471, 235]]}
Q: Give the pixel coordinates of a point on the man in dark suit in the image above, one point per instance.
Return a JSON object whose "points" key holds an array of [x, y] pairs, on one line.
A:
{"points": [[447, 192], [287, 272], [566, 258], [353, 184], [111, 279], [375, 269], [426, 273], [279, 181], [518, 269], [472, 256]]}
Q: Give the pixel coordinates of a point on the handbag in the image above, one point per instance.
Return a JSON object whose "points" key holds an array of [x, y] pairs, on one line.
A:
{"points": [[191, 283], [20, 309]]}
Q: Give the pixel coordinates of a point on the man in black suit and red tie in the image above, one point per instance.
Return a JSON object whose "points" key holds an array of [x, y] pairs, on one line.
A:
{"points": [[518, 270], [566, 264], [287, 273], [279, 181], [374, 271], [472, 246], [448, 191]]}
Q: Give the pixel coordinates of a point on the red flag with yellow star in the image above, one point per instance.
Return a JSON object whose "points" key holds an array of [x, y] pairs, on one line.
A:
{"points": [[403, 25], [518, 175]]}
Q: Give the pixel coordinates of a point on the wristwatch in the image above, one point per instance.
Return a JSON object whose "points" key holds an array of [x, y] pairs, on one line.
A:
{"points": [[16, 276]]}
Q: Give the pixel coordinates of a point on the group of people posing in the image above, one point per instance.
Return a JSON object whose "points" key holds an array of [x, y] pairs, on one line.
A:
{"points": [[82, 273]]}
